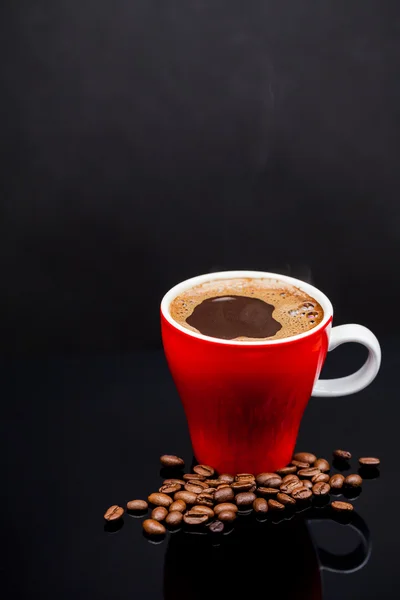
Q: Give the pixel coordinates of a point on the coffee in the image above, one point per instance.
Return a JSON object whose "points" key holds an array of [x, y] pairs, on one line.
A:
{"points": [[246, 309]]}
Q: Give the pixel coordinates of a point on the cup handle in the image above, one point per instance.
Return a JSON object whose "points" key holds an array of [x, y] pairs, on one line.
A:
{"points": [[343, 386], [354, 560]]}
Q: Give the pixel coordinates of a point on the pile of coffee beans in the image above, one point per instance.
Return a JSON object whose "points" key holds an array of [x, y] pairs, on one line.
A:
{"points": [[204, 499]]}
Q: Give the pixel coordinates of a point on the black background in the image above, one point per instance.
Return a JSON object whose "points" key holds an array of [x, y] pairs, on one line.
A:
{"points": [[143, 142], [147, 141]]}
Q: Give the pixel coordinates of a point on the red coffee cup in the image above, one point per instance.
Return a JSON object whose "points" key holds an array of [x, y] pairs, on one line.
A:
{"points": [[244, 400]]}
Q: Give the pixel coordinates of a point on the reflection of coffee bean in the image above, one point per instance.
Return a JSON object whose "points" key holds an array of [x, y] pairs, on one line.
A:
{"points": [[320, 477], [342, 454], [227, 516], [174, 518], [170, 488], [195, 518], [300, 464], [160, 499], [339, 506], [193, 476], [226, 478], [321, 488], [113, 513], [224, 495], [177, 505], [336, 481], [322, 465], [308, 473], [187, 497], [275, 505], [225, 506], [286, 470], [204, 510], [307, 457], [159, 513], [216, 527], [369, 461], [204, 470], [369, 472], [260, 505], [245, 499], [353, 480], [302, 493], [137, 505], [170, 460], [285, 499], [267, 492], [153, 527]]}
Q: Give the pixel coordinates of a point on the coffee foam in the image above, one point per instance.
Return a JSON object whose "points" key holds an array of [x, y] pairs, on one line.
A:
{"points": [[295, 310]]}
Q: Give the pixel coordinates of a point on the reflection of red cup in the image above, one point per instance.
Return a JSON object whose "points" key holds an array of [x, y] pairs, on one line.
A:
{"points": [[244, 400]]}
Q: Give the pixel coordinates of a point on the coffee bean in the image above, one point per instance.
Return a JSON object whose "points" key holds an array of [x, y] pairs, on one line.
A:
{"points": [[186, 496], [174, 518], [275, 505], [291, 477], [227, 516], [286, 471], [369, 461], [137, 505], [113, 513], [209, 491], [195, 518], [302, 493], [170, 460], [322, 465], [245, 477], [321, 488], [300, 464], [203, 484], [204, 470], [178, 481], [205, 499], [245, 499], [342, 454], [193, 477], [308, 473], [177, 505], [216, 527], [226, 478], [224, 495], [225, 506], [336, 481], [267, 492], [288, 488], [159, 513], [223, 485], [264, 478], [159, 499], [307, 457], [191, 487], [214, 483], [320, 477], [353, 480], [205, 510], [260, 505], [153, 527], [339, 506], [170, 488], [242, 486], [285, 499], [306, 483]]}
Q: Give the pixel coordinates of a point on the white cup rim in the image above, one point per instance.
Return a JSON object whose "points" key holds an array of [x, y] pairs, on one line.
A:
{"points": [[193, 281]]}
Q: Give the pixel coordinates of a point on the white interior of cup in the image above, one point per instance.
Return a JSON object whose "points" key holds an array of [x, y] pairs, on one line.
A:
{"points": [[193, 281]]}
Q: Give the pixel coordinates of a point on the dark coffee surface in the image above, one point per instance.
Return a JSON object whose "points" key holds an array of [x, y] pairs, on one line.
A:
{"points": [[229, 317], [79, 435]]}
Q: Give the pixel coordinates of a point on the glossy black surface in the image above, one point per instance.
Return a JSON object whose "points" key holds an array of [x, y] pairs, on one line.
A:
{"points": [[82, 434]]}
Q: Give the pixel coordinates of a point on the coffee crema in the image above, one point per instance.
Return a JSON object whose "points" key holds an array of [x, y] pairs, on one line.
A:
{"points": [[246, 309]]}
